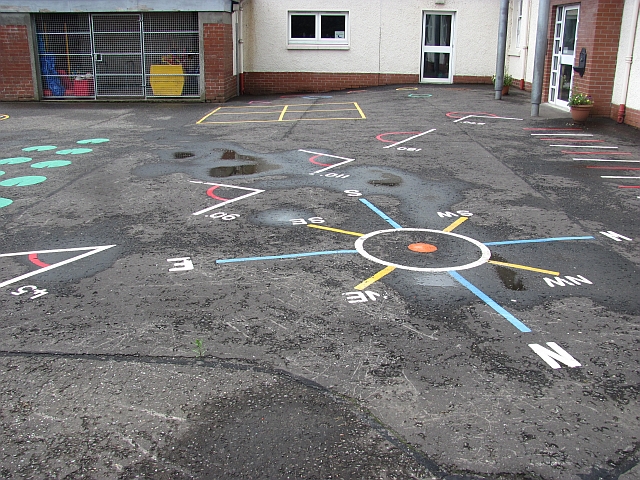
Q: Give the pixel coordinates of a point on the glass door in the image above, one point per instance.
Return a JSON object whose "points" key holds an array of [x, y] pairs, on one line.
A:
{"points": [[437, 48], [564, 44]]}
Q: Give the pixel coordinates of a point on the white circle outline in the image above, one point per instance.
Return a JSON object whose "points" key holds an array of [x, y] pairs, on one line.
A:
{"points": [[484, 258]]}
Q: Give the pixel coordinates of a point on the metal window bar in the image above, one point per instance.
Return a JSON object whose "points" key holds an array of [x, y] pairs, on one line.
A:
{"points": [[147, 55], [172, 54], [65, 55]]}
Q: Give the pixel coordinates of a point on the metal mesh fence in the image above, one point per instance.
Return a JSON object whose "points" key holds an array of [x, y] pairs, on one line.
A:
{"points": [[119, 55]]}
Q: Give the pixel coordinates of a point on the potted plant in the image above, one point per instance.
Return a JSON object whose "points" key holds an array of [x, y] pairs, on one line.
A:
{"points": [[580, 105], [507, 81]]}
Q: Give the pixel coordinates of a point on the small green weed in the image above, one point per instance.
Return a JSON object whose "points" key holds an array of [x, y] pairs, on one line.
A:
{"points": [[199, 350]]}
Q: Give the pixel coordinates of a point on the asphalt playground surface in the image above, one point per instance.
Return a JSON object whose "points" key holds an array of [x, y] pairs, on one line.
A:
{"points": [[379, 284]]}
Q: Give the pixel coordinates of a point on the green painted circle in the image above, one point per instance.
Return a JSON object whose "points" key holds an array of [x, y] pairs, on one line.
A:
{"points": [[92, 140], [14, 160], [41, 148], [51, 164], [74, 151], [22, 181], [5, 201]]}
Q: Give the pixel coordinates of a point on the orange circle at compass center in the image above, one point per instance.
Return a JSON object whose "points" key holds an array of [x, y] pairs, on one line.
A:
{"points": [[422, 247]]}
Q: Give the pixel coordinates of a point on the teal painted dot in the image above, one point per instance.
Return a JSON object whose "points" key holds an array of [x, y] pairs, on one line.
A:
{"points": [[14, 160], [41, 148], [92, 140], [5, 201], [51, 164], [74, 151], [22, 181], [1, 172]]}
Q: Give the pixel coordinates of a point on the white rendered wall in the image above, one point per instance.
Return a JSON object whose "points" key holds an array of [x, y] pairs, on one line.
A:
{"points": [[385, 36], [633, 94]]}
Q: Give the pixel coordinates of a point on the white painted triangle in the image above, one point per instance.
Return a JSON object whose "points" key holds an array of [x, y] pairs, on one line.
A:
{"points": [[88, 252]]}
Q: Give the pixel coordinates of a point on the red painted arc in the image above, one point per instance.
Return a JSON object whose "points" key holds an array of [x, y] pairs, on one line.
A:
{"points": [[313, 160], [628, 186], [213, 195], [33, 258], [379, 137]]}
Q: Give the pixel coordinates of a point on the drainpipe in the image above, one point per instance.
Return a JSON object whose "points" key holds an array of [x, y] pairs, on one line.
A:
{"points": [[525, 49], [628, 60], [240, 48], [502, 47], [538, 59]]}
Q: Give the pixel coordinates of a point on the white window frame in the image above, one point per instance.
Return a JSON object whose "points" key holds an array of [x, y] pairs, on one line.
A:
{"points": [[318, 43]]}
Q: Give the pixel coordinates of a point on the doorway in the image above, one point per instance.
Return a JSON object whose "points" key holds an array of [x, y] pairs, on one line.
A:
{"points": [[436, 64], [564, 45]]}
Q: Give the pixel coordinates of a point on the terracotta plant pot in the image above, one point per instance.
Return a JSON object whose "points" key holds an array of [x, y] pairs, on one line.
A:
{"points": [[505, 90], [580, 113]]}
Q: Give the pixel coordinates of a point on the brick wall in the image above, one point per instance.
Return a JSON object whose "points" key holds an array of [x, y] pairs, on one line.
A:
{"points": [[631, 117], [266, 83], [599, 32], [16, 81], [220, 82]]}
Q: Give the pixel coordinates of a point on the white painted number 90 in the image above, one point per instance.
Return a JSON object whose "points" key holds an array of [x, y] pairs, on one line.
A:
{"points": [[224, 216]]}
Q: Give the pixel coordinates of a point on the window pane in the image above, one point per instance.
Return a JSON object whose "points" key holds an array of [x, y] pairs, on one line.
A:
{"points": [[569, 38], [438, 30], [332, 26], [565, 88], [303, 26], [436, 65]]}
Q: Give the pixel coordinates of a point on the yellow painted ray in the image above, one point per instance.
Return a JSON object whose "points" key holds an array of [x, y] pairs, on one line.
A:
{"points": [[337, 230], [524, 267], [374, 278], [454, 224]]}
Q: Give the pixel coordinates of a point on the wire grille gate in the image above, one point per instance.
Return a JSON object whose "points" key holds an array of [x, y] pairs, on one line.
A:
{"points": [[144, 55]]}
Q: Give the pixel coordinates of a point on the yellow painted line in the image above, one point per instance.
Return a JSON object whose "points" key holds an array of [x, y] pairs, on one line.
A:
{"points": [[208, 115], [334, 110], [276, 121], [454, 224], [335, 230], [359, 110], [284, 110], [375, 278], [524, 267], [248, 113]]}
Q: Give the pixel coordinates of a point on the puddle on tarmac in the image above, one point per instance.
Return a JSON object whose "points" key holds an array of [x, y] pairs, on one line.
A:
{"points": [[508, 277], [183, 154], [388, 180], [256, 165]]}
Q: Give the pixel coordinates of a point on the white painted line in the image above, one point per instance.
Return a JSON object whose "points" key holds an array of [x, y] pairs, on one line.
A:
{"points": [[229, 186], [326, 155], [410, 138], [92, 251], [605, 176], [579, 146], [606, 160], [254, 191], [346, 160], [562, 134], [485, 116]]}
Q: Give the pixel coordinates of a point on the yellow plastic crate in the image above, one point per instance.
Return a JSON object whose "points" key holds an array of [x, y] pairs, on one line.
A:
{"points": [[166, 80]]}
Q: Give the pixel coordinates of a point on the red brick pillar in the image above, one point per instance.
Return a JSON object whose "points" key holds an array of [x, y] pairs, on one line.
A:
{"points": [[599, 32], [217, 52], [16, 74]]}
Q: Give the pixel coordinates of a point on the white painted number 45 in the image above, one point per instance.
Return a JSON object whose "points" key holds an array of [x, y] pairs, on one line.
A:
{"points": [[37, 292]]}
